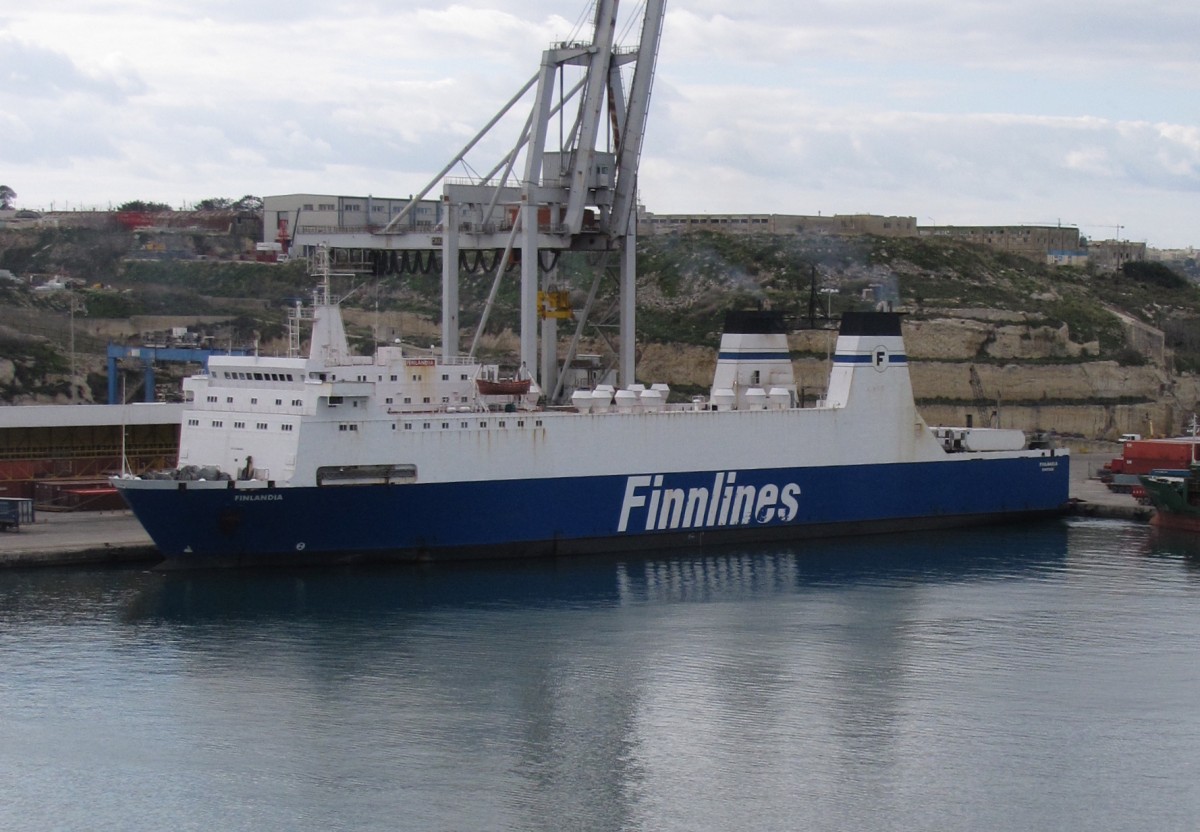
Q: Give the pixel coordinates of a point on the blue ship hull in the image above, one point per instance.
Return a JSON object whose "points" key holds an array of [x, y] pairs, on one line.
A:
{"points": [[206, 525]]}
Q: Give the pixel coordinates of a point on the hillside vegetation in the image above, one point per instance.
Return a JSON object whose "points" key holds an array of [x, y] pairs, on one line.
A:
{"points": [[686, 283]]}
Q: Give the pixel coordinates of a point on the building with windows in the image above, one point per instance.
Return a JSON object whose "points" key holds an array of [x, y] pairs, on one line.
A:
{"points": [[1033, 241], [287, 215], [1074, 257], [1111, 255], [649, 223]]}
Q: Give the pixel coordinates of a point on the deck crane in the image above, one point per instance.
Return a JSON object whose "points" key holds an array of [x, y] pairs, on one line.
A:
{"points": [[577, 191]]}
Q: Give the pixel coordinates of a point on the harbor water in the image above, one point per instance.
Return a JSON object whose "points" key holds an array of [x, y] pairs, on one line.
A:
{"points": [[1036, 677]]}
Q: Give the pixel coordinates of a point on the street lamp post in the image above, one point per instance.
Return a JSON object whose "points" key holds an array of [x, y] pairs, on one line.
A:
{"points": [[828, 292]]}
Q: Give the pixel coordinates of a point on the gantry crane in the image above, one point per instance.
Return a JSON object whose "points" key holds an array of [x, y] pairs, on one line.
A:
{"points": [[577, 192]]}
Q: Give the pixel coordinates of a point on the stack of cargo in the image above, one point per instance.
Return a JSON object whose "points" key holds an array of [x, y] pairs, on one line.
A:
{"points": [[1150, 456]]}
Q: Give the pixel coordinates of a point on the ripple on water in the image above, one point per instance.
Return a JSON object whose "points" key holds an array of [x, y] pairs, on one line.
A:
{"points": [[1029, 677]]}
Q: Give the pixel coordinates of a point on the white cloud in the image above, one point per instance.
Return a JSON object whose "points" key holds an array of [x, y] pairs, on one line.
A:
{"points": [[978, 111], [1094, 161]]}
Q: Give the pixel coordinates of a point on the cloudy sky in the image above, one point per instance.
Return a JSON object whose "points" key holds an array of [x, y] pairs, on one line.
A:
{"points": [[967, 112]]}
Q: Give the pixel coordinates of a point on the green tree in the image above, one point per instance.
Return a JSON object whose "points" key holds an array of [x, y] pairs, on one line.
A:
{"points": [[7, 195], [216, 203], [142, 205], [249, 203]]}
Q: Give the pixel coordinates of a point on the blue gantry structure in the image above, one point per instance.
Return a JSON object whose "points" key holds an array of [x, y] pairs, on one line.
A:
{"points": [[149, 355]]}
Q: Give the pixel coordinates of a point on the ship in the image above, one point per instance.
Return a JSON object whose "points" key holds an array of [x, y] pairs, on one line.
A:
{"points": [[1175, 491], [1175, 496], [404, 455]]}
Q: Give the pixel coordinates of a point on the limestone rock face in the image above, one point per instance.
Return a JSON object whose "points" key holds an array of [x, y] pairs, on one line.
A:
{"points": [[1036, 342], [1087, 382], [1045, 382], [677, 364], [946, 339]]}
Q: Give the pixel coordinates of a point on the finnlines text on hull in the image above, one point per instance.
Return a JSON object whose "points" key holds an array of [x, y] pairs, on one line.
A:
{"points": [[726, 503]]}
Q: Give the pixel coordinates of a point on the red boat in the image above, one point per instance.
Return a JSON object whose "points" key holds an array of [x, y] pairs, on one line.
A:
{"points": [[503, 387]]}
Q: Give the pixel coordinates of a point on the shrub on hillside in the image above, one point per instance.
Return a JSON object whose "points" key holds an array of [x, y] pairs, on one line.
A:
{"points": [[1155, 274]]}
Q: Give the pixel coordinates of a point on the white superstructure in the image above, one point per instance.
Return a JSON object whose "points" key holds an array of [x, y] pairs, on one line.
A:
{"points": [[297, 421]]}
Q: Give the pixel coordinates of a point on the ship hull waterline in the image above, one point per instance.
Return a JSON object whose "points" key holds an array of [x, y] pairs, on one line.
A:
{"points": [[210, 524]]}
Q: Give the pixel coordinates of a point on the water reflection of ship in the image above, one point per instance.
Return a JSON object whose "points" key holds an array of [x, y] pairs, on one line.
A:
{"points": [[583, 669], [604, 580], [905, 559]]}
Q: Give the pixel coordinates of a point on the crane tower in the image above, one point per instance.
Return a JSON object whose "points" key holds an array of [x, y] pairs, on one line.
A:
{"points": [[568, 183]]}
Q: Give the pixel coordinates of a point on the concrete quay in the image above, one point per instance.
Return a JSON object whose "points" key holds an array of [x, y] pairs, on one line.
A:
{"points": [[67, 539], [1092, 498]]}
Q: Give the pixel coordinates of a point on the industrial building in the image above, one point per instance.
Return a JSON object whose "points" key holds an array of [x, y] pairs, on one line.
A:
{"points": [[289, 215], [62, 455]]}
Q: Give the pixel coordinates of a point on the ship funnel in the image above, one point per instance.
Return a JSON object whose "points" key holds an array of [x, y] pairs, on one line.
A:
{"points": [[754, 356], [870, 355]]}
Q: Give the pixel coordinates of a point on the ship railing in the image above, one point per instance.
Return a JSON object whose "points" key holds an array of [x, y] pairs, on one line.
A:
{"points": [[438, 410]]}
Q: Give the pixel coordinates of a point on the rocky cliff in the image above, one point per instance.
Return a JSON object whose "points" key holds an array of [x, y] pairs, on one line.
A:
{"points": [[1024, 376], [992, 337]]}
